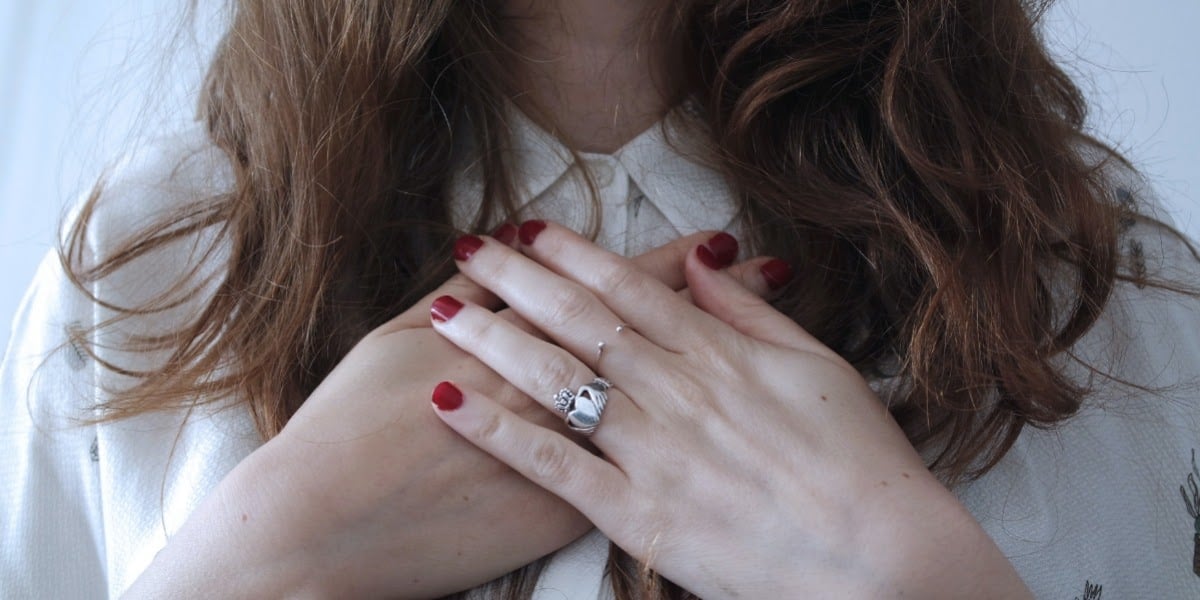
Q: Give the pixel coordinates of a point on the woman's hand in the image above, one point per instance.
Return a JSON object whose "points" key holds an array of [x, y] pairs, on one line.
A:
{"points": [[365, 493], [739, 456]]}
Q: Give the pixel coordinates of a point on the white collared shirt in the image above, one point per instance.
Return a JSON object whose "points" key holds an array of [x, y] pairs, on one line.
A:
{"points": [[83, 508], [649, 192]]}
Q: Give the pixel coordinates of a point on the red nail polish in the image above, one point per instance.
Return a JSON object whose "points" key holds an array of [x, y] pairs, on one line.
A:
{"points": [[466, 246], [505, 234], [722, 250], [530, 230], [706, 256], [447, 397], [444, 308], [777, 273]]}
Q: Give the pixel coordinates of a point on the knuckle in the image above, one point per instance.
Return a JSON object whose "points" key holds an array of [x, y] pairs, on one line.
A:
{"points": [[724, 364], [689, 401], [485, 330], [554, 373], [689, 414], [490, 427], [565, 305], [551, 462], [500, 265], [613, 276]]}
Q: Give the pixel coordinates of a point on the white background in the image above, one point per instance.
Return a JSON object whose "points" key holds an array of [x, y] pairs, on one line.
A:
{"points": [[75, 76]]}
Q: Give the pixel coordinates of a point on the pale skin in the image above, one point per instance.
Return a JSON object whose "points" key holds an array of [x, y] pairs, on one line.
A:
{"points": [[328, 508], [740, 457], [592, 82], [366, 494], [591, 67]]}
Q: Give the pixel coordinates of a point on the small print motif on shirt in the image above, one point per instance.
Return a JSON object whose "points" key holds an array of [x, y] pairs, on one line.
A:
{"points": [[1135, 251], [77, 357], [1091, 591], [94, 451], [1137, 254], [1128, 209], [1191, 499]]}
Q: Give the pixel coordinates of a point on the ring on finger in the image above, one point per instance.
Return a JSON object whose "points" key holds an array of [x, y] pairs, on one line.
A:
{"points": [[583, 408], [601, 344], [563, 400]]}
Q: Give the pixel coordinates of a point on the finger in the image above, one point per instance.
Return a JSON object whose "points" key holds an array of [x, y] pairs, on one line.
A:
{"points": [[537, 368], [638, 299], [459, 286], [665, 263], [722, 296], [750, 274], [562, 309], [754, 275], [506, 234], [593, 486]]}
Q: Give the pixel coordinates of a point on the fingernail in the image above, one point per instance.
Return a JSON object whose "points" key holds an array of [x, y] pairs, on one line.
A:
{"points": [[530, 230], [777, 273], [466, 246], [447, 397], [444, 308], [505, 234], [718, 252]]}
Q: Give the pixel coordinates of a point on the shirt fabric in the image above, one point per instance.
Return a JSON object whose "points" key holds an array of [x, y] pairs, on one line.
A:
{"points": [[1105, 503]]}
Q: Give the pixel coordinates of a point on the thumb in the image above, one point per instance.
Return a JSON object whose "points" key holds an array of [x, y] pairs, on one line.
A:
{"points": [[665, 263], [721, 295]]}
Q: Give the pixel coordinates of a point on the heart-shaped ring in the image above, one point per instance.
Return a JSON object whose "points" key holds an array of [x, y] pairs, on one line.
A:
{"points": [[584, 408]]}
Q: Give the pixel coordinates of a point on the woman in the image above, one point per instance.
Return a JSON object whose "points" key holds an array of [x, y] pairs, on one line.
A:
{"points": [[972, 377]]}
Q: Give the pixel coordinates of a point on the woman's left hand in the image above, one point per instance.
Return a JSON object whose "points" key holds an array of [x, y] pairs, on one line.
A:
{"points": [[739, 457]]}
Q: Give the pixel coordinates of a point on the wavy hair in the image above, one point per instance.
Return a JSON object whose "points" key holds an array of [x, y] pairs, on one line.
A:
{"points": [[922, 163]]}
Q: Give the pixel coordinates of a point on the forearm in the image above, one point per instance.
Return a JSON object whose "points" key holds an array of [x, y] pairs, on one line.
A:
{"points": [[941, 551], [230, 547]]}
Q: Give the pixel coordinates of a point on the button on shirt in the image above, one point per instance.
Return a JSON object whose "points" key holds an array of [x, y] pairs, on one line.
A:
{"points": [[1105, 503]]}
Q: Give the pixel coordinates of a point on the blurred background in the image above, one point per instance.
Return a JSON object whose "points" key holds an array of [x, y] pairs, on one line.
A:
{"points": [[79, 80]]}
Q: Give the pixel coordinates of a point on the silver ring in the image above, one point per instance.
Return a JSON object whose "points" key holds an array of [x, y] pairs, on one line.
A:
{"points": [[563, 400], [582, 409], [601, 345]]}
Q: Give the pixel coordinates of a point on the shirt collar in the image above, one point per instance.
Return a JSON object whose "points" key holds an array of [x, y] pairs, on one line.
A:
{"points": [[666, 162]]}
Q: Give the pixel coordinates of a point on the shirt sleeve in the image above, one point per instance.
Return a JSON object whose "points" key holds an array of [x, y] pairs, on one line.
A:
{"points": [[1103, 502], [51, 531]]}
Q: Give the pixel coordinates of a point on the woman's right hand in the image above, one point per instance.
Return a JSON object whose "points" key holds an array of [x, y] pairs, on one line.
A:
{"points": [[366, 493]]}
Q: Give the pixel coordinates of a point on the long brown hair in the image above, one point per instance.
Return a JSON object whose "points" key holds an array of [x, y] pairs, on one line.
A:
{"points": [[922, 163]]}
